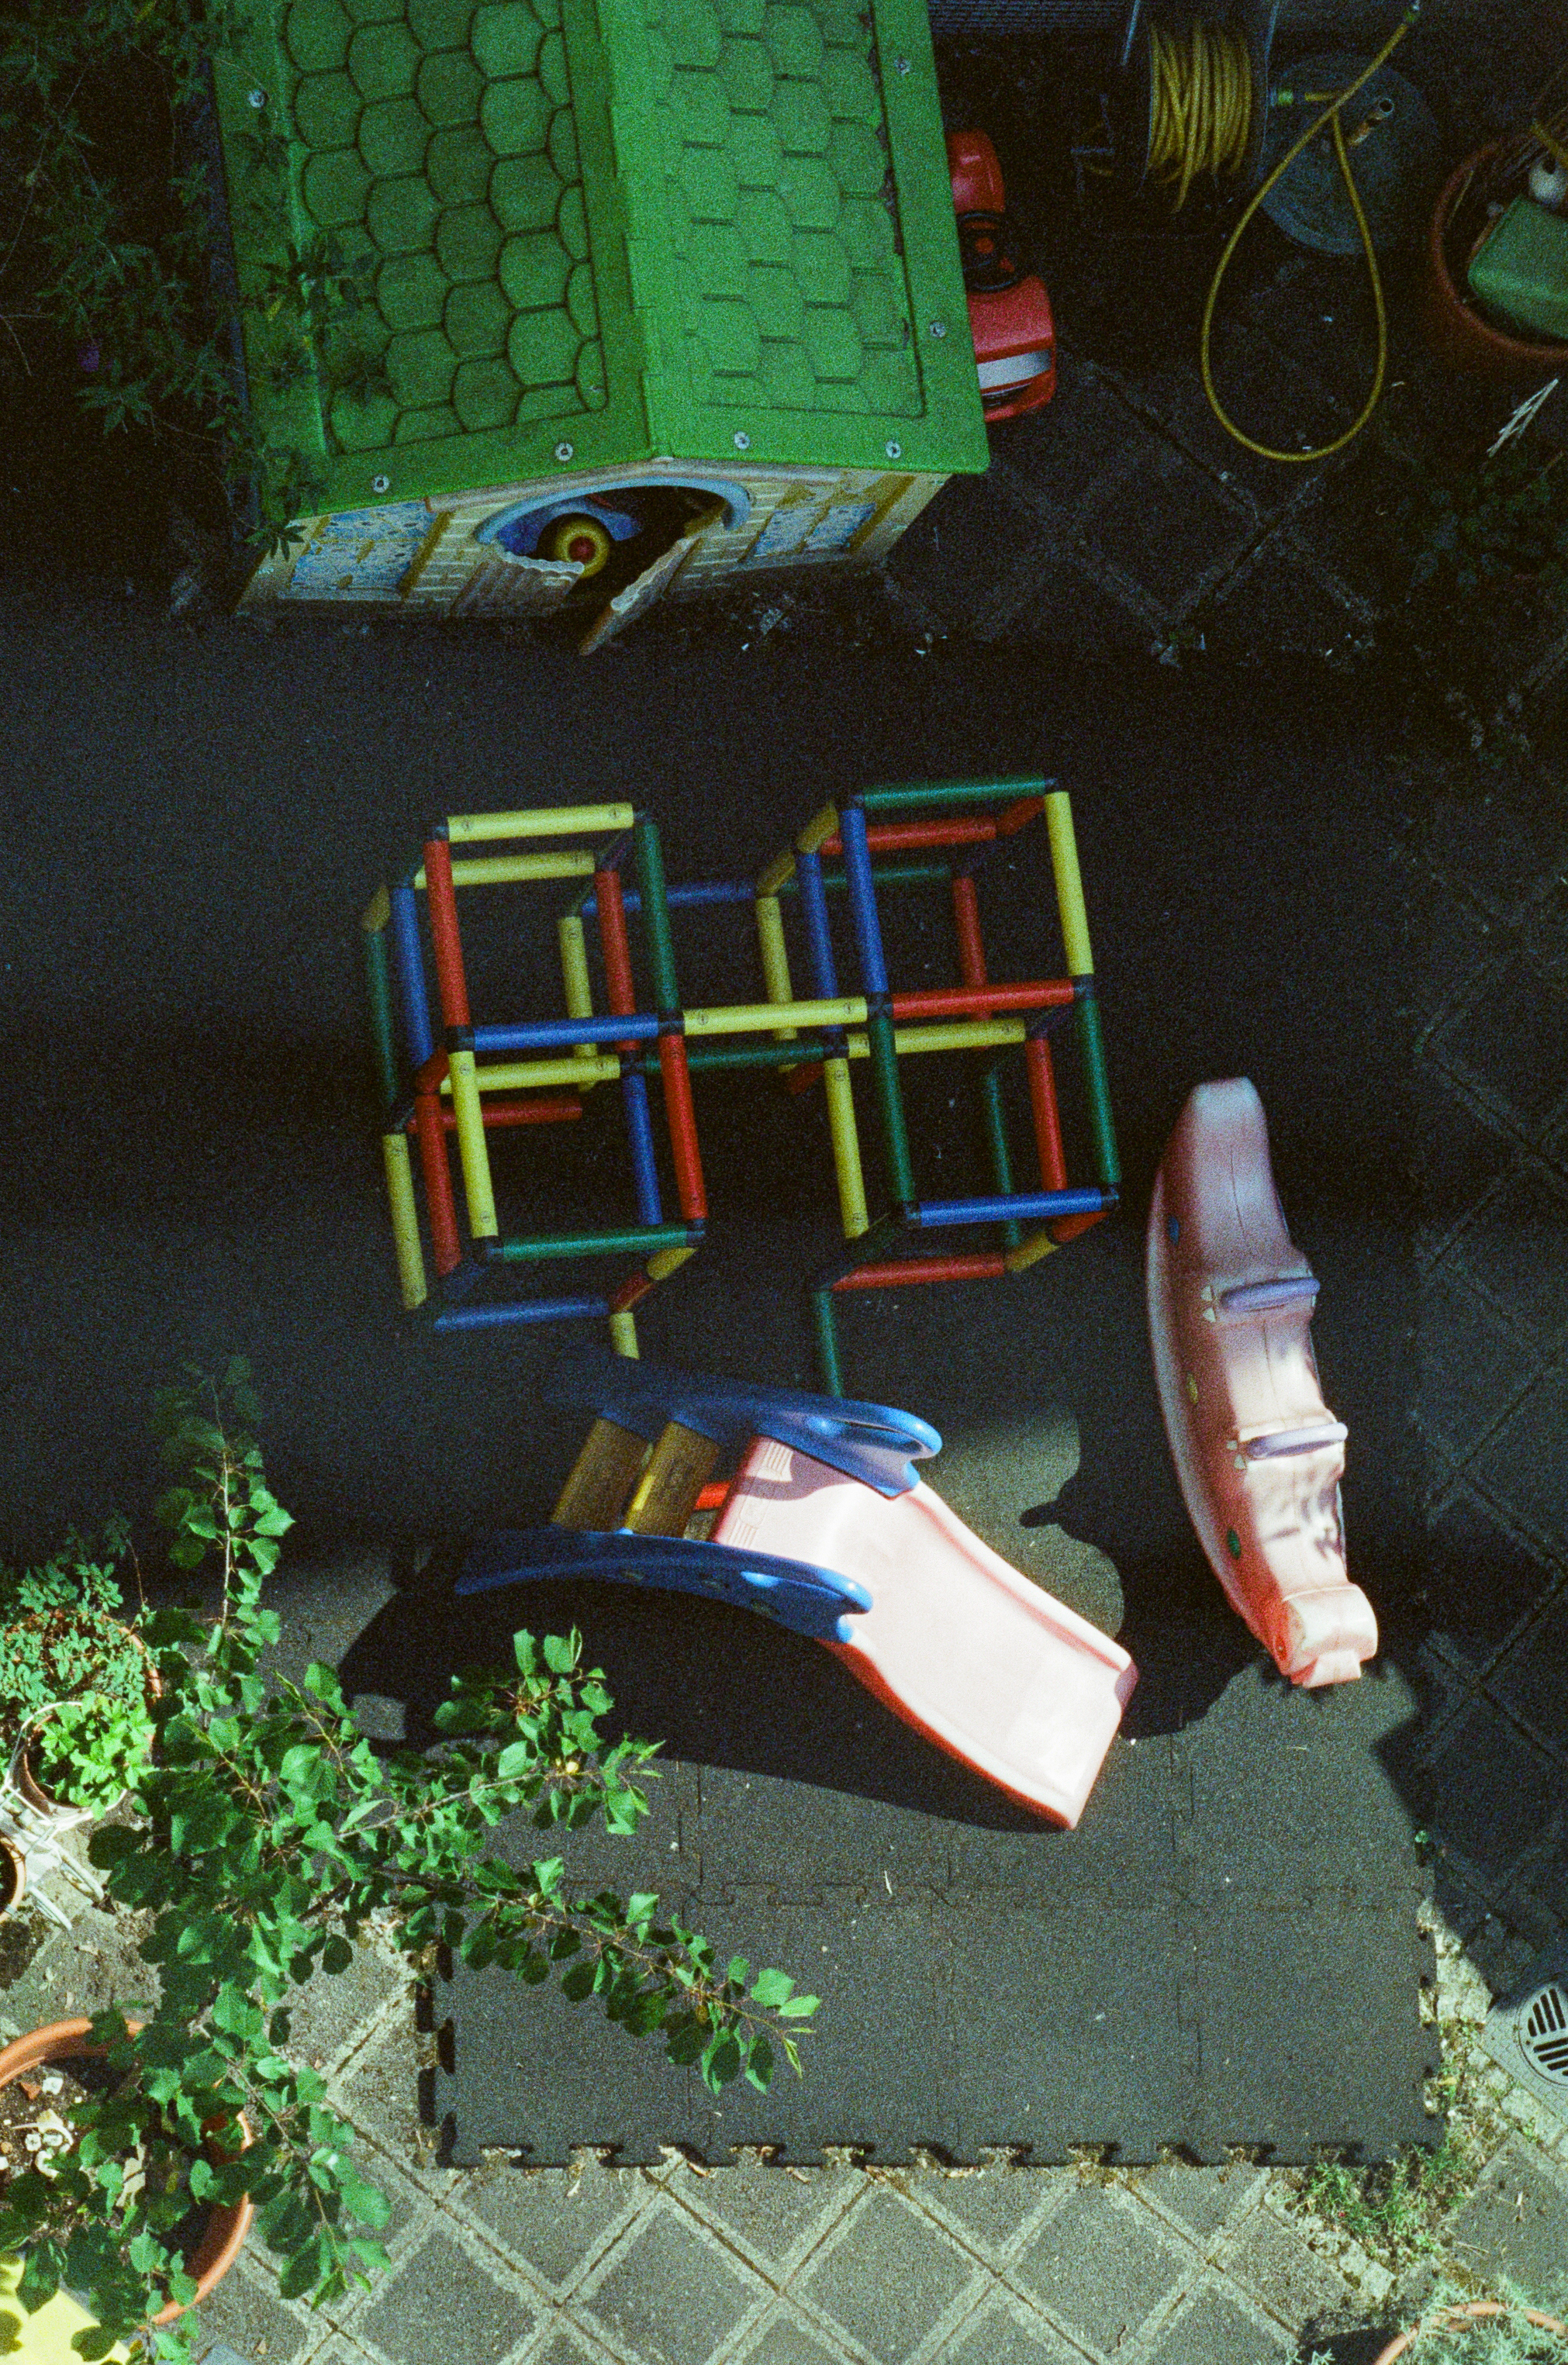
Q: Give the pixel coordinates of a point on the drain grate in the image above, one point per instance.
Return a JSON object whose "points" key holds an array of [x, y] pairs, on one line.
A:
{"points": [[1543, 2033], [1527, 2034]]}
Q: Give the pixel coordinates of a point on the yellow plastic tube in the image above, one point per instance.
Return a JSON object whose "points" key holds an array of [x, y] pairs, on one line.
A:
{"points": [[575, 976], [377, 912], [471, 1149], [779, 873], [624, 1333], [1069, 884], [515, 870], [845, 1136], [818, 830], [541, 821], [664, 1262], [775, 959], [761, 1017], [523, 1075], [1029, 1250], [405, 1221]]}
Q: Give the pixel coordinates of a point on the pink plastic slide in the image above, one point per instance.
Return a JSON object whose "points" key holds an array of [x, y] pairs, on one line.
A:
{"points": [[1258, 1452], [977, 1658]]}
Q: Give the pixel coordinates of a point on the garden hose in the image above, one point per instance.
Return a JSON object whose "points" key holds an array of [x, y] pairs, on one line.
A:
{"points": [[1200, 103], [1330, 115]]}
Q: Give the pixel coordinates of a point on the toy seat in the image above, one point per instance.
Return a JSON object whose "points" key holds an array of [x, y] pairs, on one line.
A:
{"points": [[1259, 1454], [963, 1647]]}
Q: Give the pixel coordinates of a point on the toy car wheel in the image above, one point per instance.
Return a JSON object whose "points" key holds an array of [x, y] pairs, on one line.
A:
{"points": [[579, 539]]}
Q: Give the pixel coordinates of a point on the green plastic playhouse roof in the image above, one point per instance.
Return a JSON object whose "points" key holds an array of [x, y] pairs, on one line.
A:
{"points": [[597, 231]]}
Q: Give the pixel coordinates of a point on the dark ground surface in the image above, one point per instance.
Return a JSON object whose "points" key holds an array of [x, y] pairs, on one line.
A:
{"points": [[1325, 844]]}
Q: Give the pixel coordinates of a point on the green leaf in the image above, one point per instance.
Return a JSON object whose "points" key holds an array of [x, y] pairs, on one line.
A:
{"points": [[336, 1954], [772, 1990]]}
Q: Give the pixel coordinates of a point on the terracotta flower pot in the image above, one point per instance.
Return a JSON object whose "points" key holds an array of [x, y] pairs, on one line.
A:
{"points": [[12, 1875], [1452, 2319], [1457, 332], [227, 2224]]}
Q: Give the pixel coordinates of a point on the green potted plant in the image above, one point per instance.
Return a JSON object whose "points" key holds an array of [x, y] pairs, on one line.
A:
{"points": [[1504, 518], [269, 1838], [76, 1681]]}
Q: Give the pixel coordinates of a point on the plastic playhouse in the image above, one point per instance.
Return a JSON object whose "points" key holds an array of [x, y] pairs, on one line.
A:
{"points": [[629, 1025], [825, 1528], [660, 290]]}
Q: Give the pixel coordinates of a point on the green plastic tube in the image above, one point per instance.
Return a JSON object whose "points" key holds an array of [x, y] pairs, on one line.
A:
{"points": [[1091, 1043]]}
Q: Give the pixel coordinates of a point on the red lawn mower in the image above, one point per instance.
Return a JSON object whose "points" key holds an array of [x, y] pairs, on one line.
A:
{"points": [[1010, 312]]}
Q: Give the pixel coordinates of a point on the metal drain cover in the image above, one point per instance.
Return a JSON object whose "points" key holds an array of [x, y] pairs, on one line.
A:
{"points": [[1543, 2032], [1527, 2034]]}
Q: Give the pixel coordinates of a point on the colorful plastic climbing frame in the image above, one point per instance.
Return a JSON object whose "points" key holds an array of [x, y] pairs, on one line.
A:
{"points": [[480, 1079], [948, 827]]}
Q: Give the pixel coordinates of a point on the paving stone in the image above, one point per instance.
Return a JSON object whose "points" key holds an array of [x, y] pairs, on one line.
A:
{"points": [[1001, 2334], [668, 2292], [774, 2215], [784, 2339], [334, 2015], [1460, 1158], [1278, 2267], [957, 550], [1515, 2223], [888, 2276], [1205, 2199], [1276, 604], [1509, 1044], [1082, 615], [1479, 1581], [248, 2315], [379, 2093], [441, 2303], [1494, 848], [1167, 525], [1523, 1464], [1518, 1250], [556, 2219], [1215, 2330], [1494, 1793], [566, 2347], [1059, 459], [1100, 2267], [1530, 1679], [1468, 1367], [988, 2211]]}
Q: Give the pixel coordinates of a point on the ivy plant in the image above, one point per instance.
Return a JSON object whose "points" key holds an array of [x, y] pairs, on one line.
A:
{"points": [[1507, 516], [270, 1837]]}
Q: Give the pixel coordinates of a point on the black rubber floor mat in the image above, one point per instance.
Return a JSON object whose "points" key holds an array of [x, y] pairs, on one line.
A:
{"points": [[1224, 1953]]}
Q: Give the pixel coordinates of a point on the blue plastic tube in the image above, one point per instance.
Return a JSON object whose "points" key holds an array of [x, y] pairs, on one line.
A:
{"points": [[409, 960], [640, 1135], [819, 939], [556, 1033], [527, 1309], [1027, 1205], [862, 889]]}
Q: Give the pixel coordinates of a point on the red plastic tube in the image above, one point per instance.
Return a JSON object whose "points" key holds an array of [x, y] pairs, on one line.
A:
{"points": [[432, 1075], [681, 1118], [451, 982], [509, 1113], [1066, 1227], [895, 1274], [631, 1293], [713, 1496], [619, 983], [982, 1000], [1019, 817], [891, 836], [439, 1204], [965, 920], [1048, 1119]]}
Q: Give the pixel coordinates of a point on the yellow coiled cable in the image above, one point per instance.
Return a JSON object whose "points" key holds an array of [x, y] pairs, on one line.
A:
{"points": [[1200, 108], [1330, 115]]}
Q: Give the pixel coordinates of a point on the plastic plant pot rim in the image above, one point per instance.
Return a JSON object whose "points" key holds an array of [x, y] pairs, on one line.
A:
{"points": [[228, 2223], [1451, 2318], [1467, 326], [43, 1802]]}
